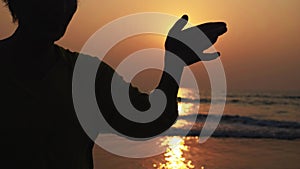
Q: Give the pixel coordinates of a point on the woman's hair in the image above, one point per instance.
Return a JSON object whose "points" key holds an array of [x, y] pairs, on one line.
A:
{"points": [[12, 6]]}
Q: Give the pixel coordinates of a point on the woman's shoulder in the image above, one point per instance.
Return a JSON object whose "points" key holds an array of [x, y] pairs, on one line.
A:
{"points": [[71, 58]]}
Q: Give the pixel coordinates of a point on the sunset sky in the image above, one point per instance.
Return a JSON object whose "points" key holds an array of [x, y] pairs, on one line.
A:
{"points": [[260, 51]]}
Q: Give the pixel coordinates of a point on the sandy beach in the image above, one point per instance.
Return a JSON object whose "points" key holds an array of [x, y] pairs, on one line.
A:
{"points": [[216, 153]]}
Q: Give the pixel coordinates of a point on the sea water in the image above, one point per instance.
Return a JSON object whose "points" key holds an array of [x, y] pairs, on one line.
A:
{"points": [[257, 130], [246, 114]]}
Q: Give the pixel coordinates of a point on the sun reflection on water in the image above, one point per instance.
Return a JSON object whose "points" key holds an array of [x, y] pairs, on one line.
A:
{"points": [[174, 155], [185, 109]]}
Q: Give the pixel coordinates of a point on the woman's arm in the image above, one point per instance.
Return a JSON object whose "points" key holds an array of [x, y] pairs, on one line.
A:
{"points": [[139, 100], [177, 46]]}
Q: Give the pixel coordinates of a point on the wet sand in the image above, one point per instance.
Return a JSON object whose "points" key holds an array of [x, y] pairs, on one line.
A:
{"points": [[216, 153]]}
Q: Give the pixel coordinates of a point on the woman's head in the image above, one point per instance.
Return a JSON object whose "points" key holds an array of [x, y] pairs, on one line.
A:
{"points": [[44, 19]]}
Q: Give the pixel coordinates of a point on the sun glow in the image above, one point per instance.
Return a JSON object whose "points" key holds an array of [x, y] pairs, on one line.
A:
{"points": [[174, 155]]}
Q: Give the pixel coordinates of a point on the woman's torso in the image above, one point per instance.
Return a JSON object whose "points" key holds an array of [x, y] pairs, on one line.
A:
{"points": [[39, 127]]}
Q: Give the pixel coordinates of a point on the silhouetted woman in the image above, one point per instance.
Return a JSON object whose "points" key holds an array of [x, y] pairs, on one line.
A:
{"points": [[38, 126]]}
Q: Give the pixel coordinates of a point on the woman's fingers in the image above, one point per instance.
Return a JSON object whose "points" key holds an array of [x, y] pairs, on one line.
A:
{"points": [[179, 25], [218, 28]]}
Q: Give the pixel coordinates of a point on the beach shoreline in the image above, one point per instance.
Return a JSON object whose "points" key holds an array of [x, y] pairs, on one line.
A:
{"points": [[216, 153]]}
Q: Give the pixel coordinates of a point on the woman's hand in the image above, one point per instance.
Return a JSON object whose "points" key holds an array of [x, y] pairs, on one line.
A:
{"points": [[182, 42]]}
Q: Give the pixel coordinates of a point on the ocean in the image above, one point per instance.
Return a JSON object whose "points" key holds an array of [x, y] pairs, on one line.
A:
{"points": [[247, 114], [257, 130]]}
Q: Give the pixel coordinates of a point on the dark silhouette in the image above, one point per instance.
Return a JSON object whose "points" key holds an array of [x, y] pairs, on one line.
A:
{"points": [[38, 125]]}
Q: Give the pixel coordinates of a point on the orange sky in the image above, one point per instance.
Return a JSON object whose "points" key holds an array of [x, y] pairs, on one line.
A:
{"points": [[260, 51]]}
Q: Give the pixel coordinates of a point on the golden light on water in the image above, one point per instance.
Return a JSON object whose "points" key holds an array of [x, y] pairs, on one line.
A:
{"points": [[180, 110], [181, 124], [174, 155], [183, 110], [187, 108]]}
